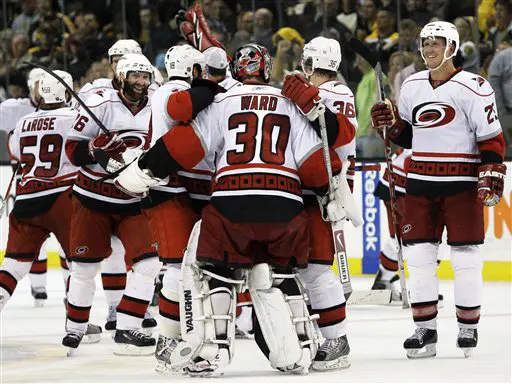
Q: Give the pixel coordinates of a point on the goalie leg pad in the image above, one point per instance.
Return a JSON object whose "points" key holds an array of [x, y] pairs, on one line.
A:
{"points": [[207, 309], [285, 332]]}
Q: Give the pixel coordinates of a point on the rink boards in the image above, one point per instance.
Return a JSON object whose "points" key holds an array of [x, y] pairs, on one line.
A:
{"points": [[364, 243]]}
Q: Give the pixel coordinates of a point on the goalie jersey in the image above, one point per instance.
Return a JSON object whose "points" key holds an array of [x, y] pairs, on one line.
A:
{"points": [[452, 123]]}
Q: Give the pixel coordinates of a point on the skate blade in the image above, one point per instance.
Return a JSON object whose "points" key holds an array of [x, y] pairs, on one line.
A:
{"points": [[70, 351], [204, 373], [131, 350], [468, 352], [38, 303], [422, 353], [331, 365], [92, 338]]}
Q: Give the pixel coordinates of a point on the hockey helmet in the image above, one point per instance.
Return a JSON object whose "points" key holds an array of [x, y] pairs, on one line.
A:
{"points": [[440, 29], [251, 60], [321, 53], [34, 76], [52, 91], [133, 62], [181, 59], [122, 47]]}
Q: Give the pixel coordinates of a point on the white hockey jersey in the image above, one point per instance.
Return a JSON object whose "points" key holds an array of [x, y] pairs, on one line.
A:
{"points": [[133, 126], [102, 85], [264, 148], [448, 122], [38, 143], [12, 110]]}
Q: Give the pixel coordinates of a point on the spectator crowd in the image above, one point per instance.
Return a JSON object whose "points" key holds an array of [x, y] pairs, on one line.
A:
{"points": [[75, 36]]}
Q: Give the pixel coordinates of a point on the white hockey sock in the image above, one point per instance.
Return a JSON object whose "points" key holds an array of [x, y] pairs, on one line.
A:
{"points": [[326, 298], [168, 303], [113, 274], [11, 273], [80, 296], [139, 292], [39, 268]]}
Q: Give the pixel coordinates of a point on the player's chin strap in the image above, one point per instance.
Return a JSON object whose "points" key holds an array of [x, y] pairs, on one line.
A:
{"points": [[285, 331], [207, 312]]}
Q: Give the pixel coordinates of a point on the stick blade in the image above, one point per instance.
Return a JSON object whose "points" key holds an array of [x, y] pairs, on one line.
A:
{"points": [[370, 297], [361, 49]]}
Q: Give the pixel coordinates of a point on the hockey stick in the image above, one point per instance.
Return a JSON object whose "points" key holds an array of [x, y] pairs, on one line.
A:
{"points": [[340, 254], [3, 203], [365, 52], [73, 93]]}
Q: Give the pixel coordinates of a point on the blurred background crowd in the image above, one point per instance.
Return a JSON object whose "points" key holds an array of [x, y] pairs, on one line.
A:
{"points": [[75, 36]]}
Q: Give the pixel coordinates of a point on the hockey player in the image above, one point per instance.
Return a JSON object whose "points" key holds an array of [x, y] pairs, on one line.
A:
{"points": [[113, 269], [448, 118], [12, 110], [255, 219], [101, 210], [321, 58], [42, 204]]}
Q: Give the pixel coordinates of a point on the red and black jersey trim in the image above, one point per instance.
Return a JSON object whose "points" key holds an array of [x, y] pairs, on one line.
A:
{"points": [[37, 205], [259, 181]]}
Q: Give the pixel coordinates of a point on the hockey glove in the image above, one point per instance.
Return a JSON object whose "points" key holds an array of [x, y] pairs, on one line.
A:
{"points": [[194, 28], [135, 181], [491, 180], [304, 94], [109, 144], [385, 116]]}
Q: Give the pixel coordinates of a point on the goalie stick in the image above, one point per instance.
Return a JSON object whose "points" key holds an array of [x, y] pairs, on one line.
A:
{"points": [[358, 47]]}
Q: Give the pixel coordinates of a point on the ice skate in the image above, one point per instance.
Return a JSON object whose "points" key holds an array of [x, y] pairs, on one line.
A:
{"points": [[72, 341], [133, 343], [111, 323], [422, 344], [149, 323], [40, 296], [164, 348], [93, 334], [332, 354], [467, 340]]}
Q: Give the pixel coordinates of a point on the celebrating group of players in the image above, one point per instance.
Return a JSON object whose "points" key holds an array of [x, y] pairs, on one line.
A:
{"points": [[220, 178]]}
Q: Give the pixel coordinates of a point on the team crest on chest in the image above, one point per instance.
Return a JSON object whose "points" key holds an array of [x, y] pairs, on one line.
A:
{"points": [[432, 115]]}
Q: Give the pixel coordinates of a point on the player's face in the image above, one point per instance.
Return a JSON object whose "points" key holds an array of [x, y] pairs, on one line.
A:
{"points": [[433, 51], [135, 86]]}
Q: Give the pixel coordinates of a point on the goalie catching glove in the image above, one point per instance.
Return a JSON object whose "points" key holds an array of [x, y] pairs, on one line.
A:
{"points": [[491, 180], [194, 28], [135, 181], [304, 94]]}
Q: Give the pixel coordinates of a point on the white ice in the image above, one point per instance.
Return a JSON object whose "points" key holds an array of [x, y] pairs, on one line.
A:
{"points": [[31, 348]]}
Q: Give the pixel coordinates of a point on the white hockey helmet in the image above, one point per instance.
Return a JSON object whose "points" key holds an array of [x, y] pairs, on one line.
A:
{"points": [[122, 47], [134, 62], [440, 29], [51, 90], [33, 77], [180, 61], [322, 53]]}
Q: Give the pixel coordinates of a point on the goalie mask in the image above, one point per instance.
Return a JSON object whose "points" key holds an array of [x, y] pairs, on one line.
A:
{"points": [[321, 53], [138, 64], [52, 91], [443, 29], [251, 60]]}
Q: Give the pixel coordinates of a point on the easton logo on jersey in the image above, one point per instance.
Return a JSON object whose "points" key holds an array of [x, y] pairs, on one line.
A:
{"points": [[432, 115]]}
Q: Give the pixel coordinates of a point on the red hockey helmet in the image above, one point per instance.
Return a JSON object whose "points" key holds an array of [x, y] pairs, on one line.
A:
{"points": [[251, 60]]}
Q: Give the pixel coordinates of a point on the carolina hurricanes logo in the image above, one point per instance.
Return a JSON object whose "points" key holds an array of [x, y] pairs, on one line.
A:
{"points": [[133, 139], [432, 115]]}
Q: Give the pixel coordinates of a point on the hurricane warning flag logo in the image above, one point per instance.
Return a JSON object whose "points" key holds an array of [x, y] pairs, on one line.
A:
{"points": [[432, 115]]}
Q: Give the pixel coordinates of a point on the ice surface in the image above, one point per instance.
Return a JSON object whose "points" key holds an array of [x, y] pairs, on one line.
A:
{"points": [[31, 348]]}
